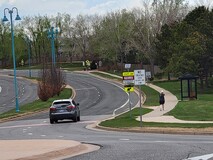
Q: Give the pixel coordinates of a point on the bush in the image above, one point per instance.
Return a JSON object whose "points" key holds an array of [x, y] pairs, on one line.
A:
{"points": [[51, 84]]}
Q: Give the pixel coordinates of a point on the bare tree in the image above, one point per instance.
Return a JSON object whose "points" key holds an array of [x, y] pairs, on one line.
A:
{"points": [[82, 32], [149, 20], [67, 37]]}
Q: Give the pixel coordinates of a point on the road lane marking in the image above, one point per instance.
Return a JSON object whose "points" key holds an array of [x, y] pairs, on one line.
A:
{"points": [[203, 157], [123, 104], [0, 89], [43, 135], [124, 139], [85, 88], [87, 122], [37, 125], [28, 125]]}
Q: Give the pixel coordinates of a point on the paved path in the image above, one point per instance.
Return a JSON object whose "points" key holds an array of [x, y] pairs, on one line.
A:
{"points": [[42, 149], [170, 102]]}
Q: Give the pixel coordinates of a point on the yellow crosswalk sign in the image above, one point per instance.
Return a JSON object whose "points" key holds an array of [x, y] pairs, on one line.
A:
{"points": [[129, 89]]}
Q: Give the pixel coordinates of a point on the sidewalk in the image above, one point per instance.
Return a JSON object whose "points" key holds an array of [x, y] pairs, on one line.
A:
{"points": [[42, 149], [158, 116]]}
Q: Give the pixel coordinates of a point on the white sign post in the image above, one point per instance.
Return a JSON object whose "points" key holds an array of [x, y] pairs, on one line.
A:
{"points": [[140, 79]]}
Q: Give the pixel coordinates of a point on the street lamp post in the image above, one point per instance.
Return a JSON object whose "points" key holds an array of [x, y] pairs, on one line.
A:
{"points": [[52, 34], [13, 48]]}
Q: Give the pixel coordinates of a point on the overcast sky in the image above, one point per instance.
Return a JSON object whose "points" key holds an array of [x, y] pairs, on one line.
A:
{"points": [[73, 7]]}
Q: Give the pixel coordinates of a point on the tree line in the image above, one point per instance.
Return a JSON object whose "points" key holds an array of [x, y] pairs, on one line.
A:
{"points": [[162, 32]]}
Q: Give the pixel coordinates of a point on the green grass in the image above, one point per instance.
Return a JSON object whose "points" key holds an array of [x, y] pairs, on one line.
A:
{"points": [[37, 105], [69, 66], [125, 121], [172, 86], [194, 110], [152, 96]]}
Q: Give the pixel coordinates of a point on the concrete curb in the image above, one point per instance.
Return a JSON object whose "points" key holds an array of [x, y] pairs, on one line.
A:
{"points": [[165, 130], [46, 150]]}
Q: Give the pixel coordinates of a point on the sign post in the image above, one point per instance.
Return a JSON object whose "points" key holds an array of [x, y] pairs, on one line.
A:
{"points": [[139, 77], [128, 80]]}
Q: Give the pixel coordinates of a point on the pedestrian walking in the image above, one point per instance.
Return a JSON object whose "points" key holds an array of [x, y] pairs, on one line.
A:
{"points": [[162, 100]]}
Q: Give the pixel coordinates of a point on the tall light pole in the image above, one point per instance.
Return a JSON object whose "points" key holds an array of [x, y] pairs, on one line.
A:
{"points": [[52, 34], [13, 48]]}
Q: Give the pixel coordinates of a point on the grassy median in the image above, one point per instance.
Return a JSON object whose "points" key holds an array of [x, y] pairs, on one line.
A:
{"points": [[36, 106]]}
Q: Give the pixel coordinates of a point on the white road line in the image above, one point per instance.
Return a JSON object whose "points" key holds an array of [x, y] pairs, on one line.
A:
{"points": [[20, 126], [0, 89], [85, 88], [87, 122], [124, 139], [43, 135], [203, 157], [124, 103]]}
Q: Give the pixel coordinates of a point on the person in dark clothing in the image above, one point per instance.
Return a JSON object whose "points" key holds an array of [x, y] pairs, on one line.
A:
{"points": [[161, 100]]}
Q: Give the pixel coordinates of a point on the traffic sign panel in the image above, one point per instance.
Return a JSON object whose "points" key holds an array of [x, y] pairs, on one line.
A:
{"points": [[139, 77], [128, 82], [129, 89], [128, 74], [128, 78]]}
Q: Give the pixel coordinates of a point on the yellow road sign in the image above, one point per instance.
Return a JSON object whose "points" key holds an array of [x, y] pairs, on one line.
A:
{"points": [[129, 89], [125, 74]]}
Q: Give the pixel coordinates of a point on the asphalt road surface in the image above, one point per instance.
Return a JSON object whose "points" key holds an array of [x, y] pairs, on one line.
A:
{"points": [[114, 145], [98, 99], [26, 91]]}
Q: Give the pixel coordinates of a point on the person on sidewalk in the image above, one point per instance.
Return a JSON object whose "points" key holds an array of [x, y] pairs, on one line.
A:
{"points": [[161, 100]]}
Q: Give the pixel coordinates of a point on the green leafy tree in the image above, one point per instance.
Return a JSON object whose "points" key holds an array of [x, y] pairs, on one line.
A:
{"points": [[187, 46]]}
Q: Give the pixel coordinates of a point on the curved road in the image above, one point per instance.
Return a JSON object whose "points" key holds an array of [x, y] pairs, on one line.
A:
{"points": [[92, 94], [26, 92]]}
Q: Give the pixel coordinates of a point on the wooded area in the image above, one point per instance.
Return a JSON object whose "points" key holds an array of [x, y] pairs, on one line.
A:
{"points": [[164, 32]]}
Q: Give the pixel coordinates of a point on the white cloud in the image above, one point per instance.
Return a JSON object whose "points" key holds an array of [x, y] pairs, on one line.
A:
{"points": [[103, 7], [73, 7], [113, 5]]}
